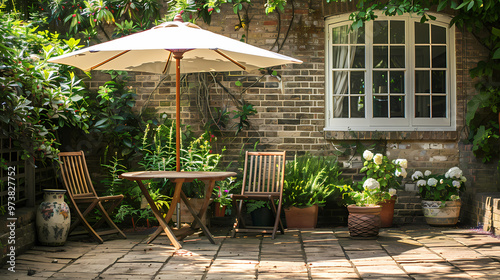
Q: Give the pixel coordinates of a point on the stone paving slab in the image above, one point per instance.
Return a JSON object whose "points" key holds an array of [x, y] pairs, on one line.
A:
{"points": [[408, 252]]}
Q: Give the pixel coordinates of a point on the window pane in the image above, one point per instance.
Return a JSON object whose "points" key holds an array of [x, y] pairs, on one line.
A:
{"points": [[380, 107], [339, 34], [340, 82], [358, 36], [357, 82], [397, 57], [421, 33], [397, 106], [439, 106], [439, 81], [438, 34], [357, 107], [340, 107], [380, 32], [380, 57], [422, 57], [339, 56], [380, 81], [397, 81], [439, 56], [397, 32], [422, 106], [422, 82], [359, 57]]}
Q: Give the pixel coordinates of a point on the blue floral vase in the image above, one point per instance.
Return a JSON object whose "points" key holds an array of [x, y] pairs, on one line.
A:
{"points": [[53, 218]]}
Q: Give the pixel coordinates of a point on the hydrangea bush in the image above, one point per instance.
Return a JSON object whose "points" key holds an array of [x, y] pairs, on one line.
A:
{"points": [[440, 187], [383, 177]]}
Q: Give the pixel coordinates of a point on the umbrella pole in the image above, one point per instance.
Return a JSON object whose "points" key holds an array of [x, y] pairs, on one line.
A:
{"points": [[178, 57]]}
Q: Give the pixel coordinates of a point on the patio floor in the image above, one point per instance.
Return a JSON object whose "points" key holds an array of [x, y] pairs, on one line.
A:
{"points": [[407, 252]]}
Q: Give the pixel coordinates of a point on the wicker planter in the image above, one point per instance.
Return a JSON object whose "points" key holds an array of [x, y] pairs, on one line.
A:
{"points": [[364, 221], [436, 215]]}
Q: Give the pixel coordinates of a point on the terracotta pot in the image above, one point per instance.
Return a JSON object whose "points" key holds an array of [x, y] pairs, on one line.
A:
{"points": [[387, 213], [437, 215], [364, 221], [301, 217], [186, 216], [220, 211]]}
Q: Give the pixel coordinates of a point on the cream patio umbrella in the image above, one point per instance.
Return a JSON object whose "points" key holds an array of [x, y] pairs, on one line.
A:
{"points": [[154, 49]]}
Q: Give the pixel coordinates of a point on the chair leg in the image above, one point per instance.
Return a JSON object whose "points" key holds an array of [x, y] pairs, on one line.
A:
{"points": [[277, 220], [108, 218], [239, 222], [86, 225]]}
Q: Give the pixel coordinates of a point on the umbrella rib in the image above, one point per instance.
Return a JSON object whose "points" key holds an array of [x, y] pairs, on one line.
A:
{"points": [[230, 59], [168, 63], [108, 60]]}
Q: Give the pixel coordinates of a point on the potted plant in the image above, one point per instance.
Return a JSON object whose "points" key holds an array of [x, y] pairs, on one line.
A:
{"points": [[222, 197], [440, 195], [260, 212], [389, 175], [306, 188]]}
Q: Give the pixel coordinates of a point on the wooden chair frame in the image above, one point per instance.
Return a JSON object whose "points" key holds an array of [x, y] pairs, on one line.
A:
{"points": [[263, 178], [84, 198]]}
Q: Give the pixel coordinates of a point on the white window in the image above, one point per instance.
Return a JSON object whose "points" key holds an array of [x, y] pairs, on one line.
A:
{"points": [[393, 74]]}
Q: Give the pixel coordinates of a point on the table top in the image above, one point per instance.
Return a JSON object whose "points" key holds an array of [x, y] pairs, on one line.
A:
{"points": [[144, 175]]}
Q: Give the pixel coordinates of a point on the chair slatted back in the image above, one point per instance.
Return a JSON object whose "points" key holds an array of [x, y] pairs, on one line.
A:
{"points": [[264, 172], [75, 174]]}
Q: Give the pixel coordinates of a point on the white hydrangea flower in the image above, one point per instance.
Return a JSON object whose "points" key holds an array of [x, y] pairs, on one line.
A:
{"points": [[417, 175], [463, 179], [392, 191], [456, 184], [371, 184], [427, 173], [378, 158], [432, 182], [402, 162], [421, 183], [401, 173], [454, 172], [454, 197], [367, 155]]}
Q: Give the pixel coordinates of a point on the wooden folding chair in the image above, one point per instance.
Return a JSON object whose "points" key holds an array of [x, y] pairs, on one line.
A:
{"points": [[263, 177], [83, 196]]}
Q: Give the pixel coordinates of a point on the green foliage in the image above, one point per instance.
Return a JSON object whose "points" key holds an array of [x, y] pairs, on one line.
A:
{"points": [[440, 187], [247, 110], [310, 180], [223, 190], [37, 97]]}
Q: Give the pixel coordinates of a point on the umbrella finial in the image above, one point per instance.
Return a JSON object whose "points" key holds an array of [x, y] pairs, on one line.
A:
{"points": [[178, 18]]}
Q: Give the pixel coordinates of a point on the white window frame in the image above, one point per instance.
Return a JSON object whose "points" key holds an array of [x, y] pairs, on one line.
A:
{"points": [[409, 123]]}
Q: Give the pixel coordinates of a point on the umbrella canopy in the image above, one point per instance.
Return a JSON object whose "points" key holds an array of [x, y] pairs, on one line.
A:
{"points": [[154, 50]]}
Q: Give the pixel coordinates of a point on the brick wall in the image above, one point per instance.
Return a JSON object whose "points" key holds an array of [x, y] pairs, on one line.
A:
{"points": [[291, 108]]}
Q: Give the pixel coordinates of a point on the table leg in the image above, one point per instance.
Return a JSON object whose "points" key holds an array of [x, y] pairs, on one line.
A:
{"points": [[197, 218], [163, 224], [209, 187]]}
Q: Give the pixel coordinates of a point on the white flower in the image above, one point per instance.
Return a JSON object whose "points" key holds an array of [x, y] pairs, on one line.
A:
{"points": [[427, 173], [392, 191], [371, 184], [463, 179], [441, 181], [456, 184], [417, 175], [402, 162], [454, 197], [367, 155], [454, 172], [378, 159], [432, 182], [401, 173], [421, 183]]}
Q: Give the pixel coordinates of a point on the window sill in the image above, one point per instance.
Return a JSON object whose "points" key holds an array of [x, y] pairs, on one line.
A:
{"points": [[390, 135]]}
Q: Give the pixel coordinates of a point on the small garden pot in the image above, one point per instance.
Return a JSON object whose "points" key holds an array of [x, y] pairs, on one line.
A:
{"points": [[364, 221], [220, 211], [437, 215], [301, 217], [387, 213], [262, 217]]}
